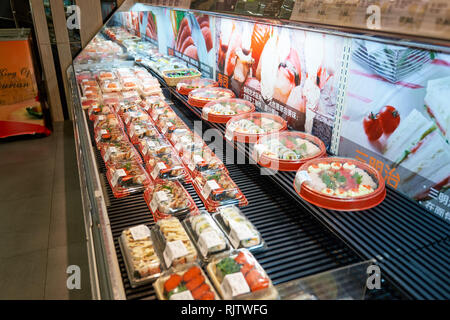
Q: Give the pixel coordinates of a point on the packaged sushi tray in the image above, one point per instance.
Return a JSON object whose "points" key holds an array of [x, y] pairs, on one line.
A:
{"points": [[239, 276], [222, 110], [217, 189], [112, 98], [172, 77], [84, 75], [154, 145], [132, 115], [110, 86], [130, 96], [167, 125], [240, 231], [247, 128], [109, 135], [173, 243], [202, 160], [185, 140], [119, 152], [166, 166], [168, 198], [130, 83], [97, 109], [184, 87], [149, 88], [141, 129], [155, 106], [127, 177], [142, 262], [200, 97], [106, 75], [107, 121], [206, 235], [188, 283], [340, 184], [287, 150], [122, 108]]}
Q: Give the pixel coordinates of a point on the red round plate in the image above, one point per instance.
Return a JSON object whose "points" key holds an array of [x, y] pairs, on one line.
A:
{"points": [[184, 87], [200, 97], [219, 118]]}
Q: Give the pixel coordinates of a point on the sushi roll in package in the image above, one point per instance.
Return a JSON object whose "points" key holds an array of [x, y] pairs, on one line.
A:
{"points": [[202, 160], [239, 276], [126, 178], [109, 135], [141, 259], [239, 230], [139, 130], [166, 166], [154, 144], [97, 109], [206, 235]]}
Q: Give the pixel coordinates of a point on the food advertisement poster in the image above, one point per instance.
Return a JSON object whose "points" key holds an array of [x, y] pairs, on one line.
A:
{"points": [[20, 110], [292, 73], [397, 119]]}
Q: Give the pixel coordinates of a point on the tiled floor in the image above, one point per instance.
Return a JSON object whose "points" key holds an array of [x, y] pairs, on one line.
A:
{"points": [[41, 222]]}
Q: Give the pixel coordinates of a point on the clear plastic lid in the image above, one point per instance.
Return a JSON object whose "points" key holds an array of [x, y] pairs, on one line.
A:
{"points": [[187, 283], [111, 98], [181, 73], [168, 124], [217, 189], [206, 235], [154, 145], [122, 107], [131, 96], [127, 177], [202, 160], [340, 184], [200, 97], [107, 121], [141, 259], [186, 86], [150, 89], [104, 75], [109, 135], [130, 83], [168, 198], [97, 109], [240, 231], [132, 115], [138, 130], [119, 152], [240, 276], [248, 128], [287, 150], [155, 106], [184, 140], [110, 86], [167, 166], [174, 243], [222, 110]]}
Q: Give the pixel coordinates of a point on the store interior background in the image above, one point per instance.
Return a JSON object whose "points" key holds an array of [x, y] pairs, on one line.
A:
{"points": [[41, 219]]}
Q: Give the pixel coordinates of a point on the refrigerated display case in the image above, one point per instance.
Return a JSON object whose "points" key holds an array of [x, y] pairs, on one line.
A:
{"points": [[304, 243]]}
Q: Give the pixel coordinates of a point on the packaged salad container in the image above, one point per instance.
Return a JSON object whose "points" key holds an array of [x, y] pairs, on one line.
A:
{"points": [[239, 276], [119, 152], [97, 109], [172, 77], [200, 97], [247, 128], [173, 243], [185, 140], [188, 283], [202, 160], [168, 198], [287, 150], [240, 231], [340, 184], [167, 166], [217, 189], [206, 235], [142, 262], [141, 129], [109, 135], [127, 177], [222, 110], [184, 87]]}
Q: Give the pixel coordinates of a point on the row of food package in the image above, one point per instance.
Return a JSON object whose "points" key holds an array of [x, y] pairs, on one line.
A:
{"points": [[173, 253]]}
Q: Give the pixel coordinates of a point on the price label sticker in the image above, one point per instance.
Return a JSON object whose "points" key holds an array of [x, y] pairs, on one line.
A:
{"points": [[158, 197], [174, 250], [108, 153], [185, 295], [234, 284], [140, 232], [239, 232], [117, 174], [157, 169], [210, 186], [207, 240]]}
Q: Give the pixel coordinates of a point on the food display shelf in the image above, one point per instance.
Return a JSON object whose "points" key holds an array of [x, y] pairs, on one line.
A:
{"points": [[395, 229]]}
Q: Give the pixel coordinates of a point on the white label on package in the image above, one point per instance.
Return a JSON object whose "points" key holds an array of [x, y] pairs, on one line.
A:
{"points": [[235, 284], [117, 174], [210, 185], [174, 250], [108, 153], [185, 295], [208, 240], [157, 169], [239, 232], [140, 232], [158, 198]]}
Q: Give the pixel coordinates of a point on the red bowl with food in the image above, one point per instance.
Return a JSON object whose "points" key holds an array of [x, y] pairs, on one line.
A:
{"points": [[222, 110], [342, 184], [200, 97], [287, 150], [186, 86], [248, 128]]}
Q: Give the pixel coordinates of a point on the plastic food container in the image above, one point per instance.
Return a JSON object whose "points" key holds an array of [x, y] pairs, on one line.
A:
{"points": [[107, 121], [106, 75], [130, 84], [217, 189], [340, 184], [167, 125], [131, 96], [240, 276], [126, 178], [167, 166], [287, 151], [202, 160], [141, 260], [206, 235], [97, 109], [111, 98], [200, 97], [150, 89], [188, 283], [156, 108], [248, 128], [111, 86], [156, 144], [172, 77], [168, 198], [240, 231], [139, 130], [174, 243], [119, 152], [121, 108], [184, 87], [222, 110], [132, 115], [109, 135]]}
